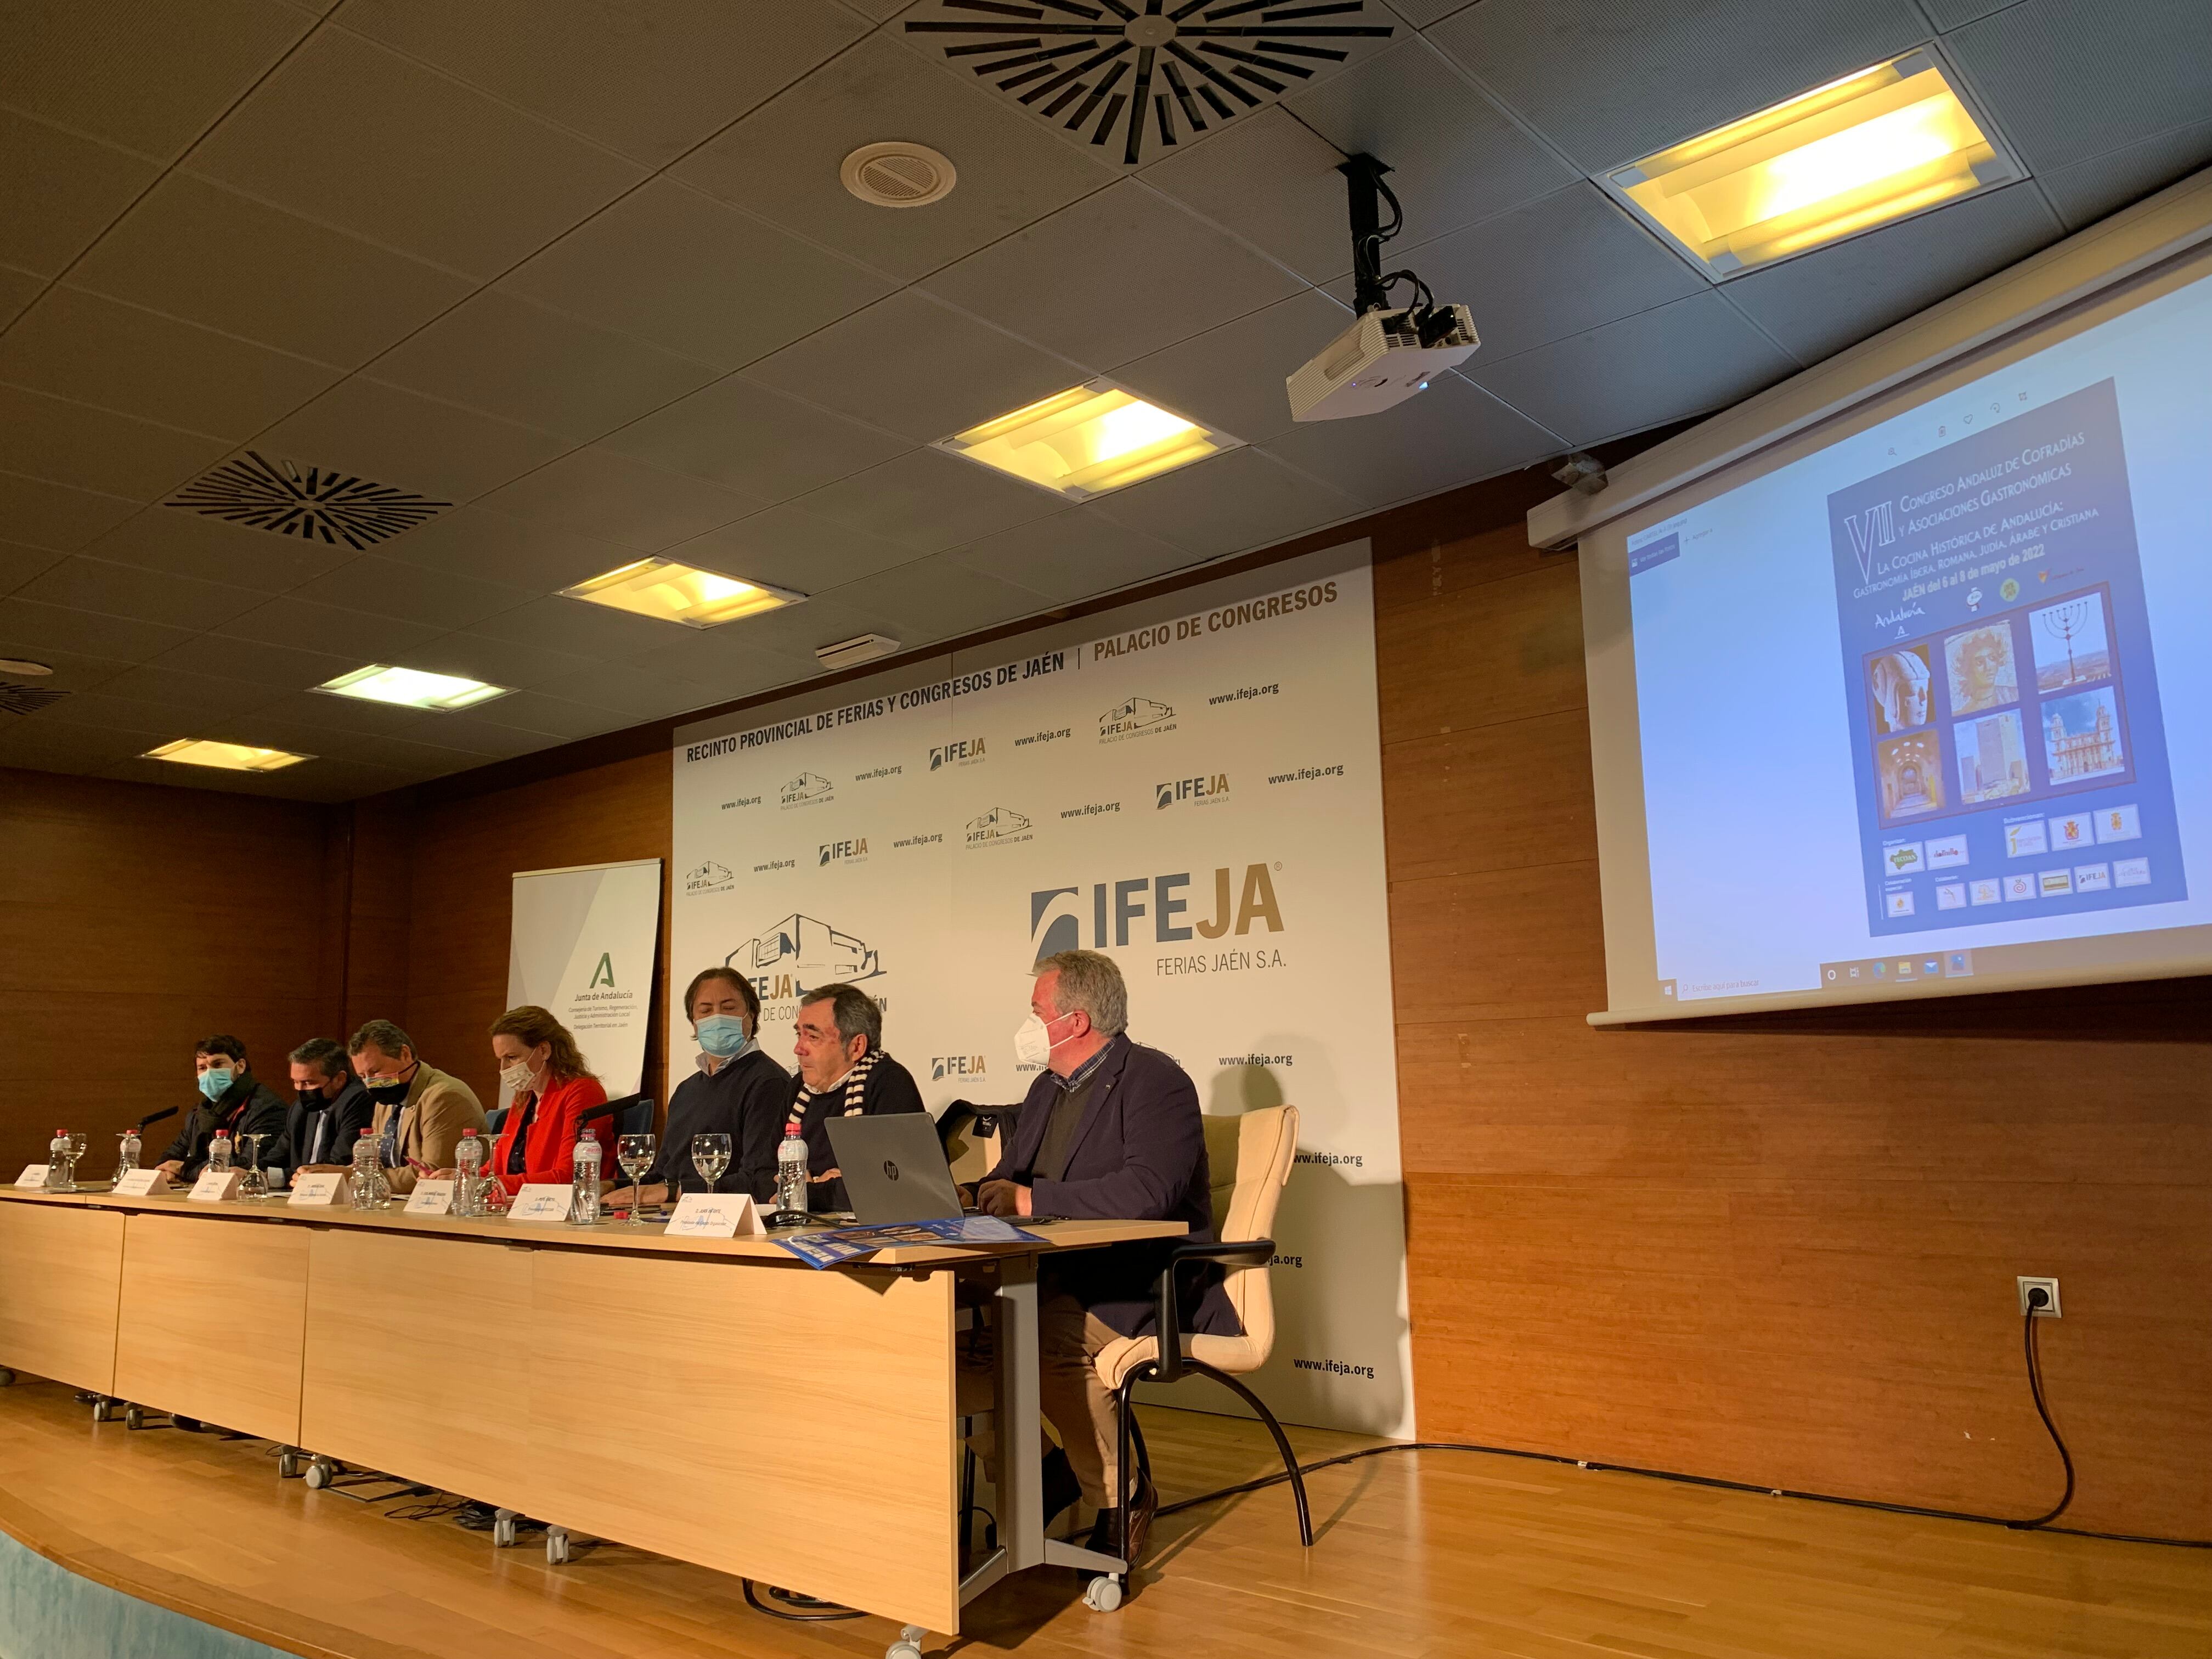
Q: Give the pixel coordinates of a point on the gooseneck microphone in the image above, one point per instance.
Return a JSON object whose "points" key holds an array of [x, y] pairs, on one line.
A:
{"points": [[155, 1117]]}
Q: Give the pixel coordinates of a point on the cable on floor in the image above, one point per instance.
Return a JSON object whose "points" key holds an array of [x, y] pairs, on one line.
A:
{"points": [[808, 1610]]}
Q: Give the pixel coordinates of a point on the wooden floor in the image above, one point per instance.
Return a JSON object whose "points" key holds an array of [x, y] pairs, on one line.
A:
{"points": [[1419, 1554]]}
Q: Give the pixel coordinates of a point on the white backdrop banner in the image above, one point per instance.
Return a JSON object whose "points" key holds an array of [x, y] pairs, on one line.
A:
{"points": [[1193, 785], [581, 946]]}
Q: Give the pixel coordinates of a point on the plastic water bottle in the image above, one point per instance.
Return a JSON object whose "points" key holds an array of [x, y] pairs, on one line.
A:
{"points": [[126, 1156], [791, 1170], [369, 1189], [219, 1151], [584, 1209], [468, 1168], [58, 1163]]}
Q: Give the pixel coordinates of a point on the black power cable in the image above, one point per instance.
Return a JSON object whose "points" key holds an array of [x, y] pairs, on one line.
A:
{"points": [[2038, 1299], [809, 1611]]}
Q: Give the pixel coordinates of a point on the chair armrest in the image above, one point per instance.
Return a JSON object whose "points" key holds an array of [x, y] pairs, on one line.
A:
{"points": [[1169, 1317]]}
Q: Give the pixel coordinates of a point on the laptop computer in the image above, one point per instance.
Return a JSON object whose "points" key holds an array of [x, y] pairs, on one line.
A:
{"points": [[895, 1169]]}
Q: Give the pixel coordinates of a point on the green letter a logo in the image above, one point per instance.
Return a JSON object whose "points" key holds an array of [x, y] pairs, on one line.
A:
{"points": [[604, 973]]}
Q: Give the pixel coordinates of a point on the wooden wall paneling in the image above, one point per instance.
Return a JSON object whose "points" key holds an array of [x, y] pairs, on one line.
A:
{"points": [[378, 911], [60, 1290]]}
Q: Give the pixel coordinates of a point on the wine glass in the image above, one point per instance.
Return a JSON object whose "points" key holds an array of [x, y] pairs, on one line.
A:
{"points": [[710, 1156], [253, 1184], [634, 1154]]}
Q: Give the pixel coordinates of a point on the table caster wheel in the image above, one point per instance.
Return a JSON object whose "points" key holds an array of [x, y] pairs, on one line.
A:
{"points": [[908, 1645], [1103, 1593], [6, 1377], [103, 1410], [557, 1547], [320, 1471], [502, 1529], [133, 1417], [287, 1464]]}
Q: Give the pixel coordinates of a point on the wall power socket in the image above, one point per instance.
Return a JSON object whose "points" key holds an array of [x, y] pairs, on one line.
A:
{"points": [[2028, 1282]]}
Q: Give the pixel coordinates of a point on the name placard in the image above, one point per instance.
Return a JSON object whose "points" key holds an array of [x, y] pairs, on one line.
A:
{"points": [[542, 1202], [34, 1175], [430, 1198], [318, 1191], [716, 1215], [217, 1186], [142, 1183]]}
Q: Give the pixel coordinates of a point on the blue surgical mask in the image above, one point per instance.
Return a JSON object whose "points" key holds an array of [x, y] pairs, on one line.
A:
{"points": [[721, 1035], [215, 1081]]}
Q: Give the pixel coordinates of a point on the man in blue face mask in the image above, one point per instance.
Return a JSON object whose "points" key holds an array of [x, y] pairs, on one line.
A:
{"points": [[231, 1099]]}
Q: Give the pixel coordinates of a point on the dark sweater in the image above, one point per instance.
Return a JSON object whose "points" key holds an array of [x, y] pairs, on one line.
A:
{"points": [[744, 1099], [246, 1108]]}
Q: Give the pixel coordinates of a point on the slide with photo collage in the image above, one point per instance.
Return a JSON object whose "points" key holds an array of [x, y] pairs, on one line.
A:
{"points": [[2006, 730]]}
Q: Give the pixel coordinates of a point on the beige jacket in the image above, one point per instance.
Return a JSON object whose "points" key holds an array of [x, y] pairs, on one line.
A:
{"points": [[438, 1108]]}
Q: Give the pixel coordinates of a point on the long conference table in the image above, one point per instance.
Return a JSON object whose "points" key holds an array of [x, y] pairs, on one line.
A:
{"points": [[716, 1400]]}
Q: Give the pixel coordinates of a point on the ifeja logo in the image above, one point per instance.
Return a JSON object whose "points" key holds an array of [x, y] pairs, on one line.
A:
{"points": [[807, 787], [709, 877], [1153, 909], [999, 824], [855, 851], [942, 1067], [1200, 792], [1137, 717], [798, 953], [966, 752]]}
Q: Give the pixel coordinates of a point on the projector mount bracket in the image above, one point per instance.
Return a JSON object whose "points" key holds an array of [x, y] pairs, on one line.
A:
{"points": [[1365, 194]]}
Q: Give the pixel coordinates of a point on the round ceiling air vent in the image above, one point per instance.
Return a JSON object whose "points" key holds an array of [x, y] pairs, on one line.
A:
{"points": [[898, 175]]}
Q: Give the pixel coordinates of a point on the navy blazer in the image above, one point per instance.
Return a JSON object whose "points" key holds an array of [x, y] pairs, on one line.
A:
{"points": [[1138, 1155]]}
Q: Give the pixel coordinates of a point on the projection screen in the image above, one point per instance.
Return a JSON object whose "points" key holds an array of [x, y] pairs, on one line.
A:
{"points": [[1917, 699]]}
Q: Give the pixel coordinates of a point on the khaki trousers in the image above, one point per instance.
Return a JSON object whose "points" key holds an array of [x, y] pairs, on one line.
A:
{"points": [[1080, 1407]]}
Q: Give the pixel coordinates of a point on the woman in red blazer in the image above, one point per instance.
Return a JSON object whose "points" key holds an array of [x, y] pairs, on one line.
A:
{"points": [[538, 1060]]}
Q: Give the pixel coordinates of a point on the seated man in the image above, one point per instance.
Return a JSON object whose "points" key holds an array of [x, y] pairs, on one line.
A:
{"points": [[328, 1115], [737, 1090], [843, 1072], [1111, 1131], [230, 1098], [420, 1112]]}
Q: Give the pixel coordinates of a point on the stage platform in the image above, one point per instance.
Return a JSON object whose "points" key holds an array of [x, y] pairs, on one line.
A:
{"points": [[1418, 1554]]}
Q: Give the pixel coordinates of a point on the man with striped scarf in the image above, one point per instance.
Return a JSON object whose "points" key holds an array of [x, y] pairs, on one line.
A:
{"points": [[843, 1072]]}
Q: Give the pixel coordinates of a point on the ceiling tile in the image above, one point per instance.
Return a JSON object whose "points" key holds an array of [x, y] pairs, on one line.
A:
{"points": [[649, 80], [553, 717], [280, 667], [504, 355], [411, 593], [917, 367], [939, 598], [17, 289], [37, 631], [1231, 377], [369, 635], [521, 553], [595, 492], [73, 671], [190, 696], [781, 161], [1076, 555], [58, 192], [1272, 180], [1453, 433], [495, 662], [402, 438], [1245, 499], [1949, 14], [118, 356], [1642, 371], [789, 636], [18, 563], [1454, 157], [45, 744], [1821, 302], [1609, 80], [1065, 282], [73, 443], [461, 730], [748, 674], [148, 75], [41, 514], [642, 693], [197, 250], [356, 137], [2069, 82], [1547, 270], [574, 625], [191, 544], [151, 722], [676, 267], [2088, 191], [422, 761], [325, 713], [757, 441], [789, 547], [928, 501], [153, 596]]}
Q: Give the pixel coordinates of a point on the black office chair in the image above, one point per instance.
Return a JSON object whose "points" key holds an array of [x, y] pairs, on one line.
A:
{"points": [[493, 1118]]}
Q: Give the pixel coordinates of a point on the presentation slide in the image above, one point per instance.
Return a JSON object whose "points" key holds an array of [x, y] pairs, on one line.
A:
{"points": [[1934, 701]]}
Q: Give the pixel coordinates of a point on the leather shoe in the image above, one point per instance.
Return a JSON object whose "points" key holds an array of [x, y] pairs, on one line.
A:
{"points": [[1105, 1531], [1061, 1488]]}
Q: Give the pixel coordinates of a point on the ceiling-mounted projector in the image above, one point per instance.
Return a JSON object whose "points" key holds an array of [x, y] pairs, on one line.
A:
{"points": [[1390, 353]]}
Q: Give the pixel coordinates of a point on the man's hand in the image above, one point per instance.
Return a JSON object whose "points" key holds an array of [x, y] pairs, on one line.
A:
{"points": [[171, 1168], [323, 1168], [1003, 1197], [827, 1175]]}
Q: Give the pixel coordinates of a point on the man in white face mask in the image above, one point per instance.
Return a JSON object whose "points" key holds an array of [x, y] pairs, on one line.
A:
{"points": [[1111, 1131]]}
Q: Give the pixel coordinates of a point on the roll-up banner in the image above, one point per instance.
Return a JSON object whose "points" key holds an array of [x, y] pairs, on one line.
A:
{"points": [[1191, 784], [582, 946]]}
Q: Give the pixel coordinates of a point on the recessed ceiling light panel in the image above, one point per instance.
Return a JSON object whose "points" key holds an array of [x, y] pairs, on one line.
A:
{"points": [[225, 756], [1874, 147], [412, 688], [669, 591], [1087, 441]]}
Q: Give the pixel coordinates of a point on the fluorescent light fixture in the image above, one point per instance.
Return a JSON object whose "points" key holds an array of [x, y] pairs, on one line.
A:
{"points": [[1877, 146], [412, 688], [1087, 440], [669, 591], [229, 757]]}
